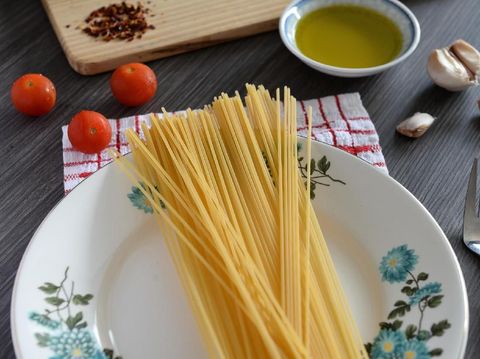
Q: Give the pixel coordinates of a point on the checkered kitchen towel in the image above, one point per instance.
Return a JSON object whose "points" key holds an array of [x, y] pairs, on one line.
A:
{"points": [[339, 120]]}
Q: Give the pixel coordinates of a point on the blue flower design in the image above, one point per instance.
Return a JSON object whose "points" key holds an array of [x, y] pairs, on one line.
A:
{"points": [[44, 320], [139, 200], [388, 344], [397, 263], [415, 349], [392, 342], [74, 344], [427, 290], [98, 355]]}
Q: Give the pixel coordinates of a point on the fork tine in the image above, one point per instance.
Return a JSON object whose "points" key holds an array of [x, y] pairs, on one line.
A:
{"points": [[471, 200]]}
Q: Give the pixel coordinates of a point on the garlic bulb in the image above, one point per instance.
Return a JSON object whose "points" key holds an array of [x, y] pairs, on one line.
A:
{"points": [[455, 68], [416, 125]]}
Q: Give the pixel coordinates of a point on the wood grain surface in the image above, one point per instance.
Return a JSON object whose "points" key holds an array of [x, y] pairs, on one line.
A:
{"points": [[180, 26], [434, 168]]}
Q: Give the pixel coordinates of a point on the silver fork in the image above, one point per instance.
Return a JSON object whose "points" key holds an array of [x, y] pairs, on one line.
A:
{"points": [[471, 222]]}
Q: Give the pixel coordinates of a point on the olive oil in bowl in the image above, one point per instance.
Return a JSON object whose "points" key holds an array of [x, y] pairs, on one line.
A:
{"points": [[348, 36]]}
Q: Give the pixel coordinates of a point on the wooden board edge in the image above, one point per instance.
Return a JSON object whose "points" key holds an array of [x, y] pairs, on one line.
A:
{"points": [[56, 29]]}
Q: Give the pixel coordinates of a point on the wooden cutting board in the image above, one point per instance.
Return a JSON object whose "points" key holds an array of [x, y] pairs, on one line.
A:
{"points": [[180, 26]]}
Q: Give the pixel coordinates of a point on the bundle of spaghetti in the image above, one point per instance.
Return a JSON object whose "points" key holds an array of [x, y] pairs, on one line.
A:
{"points": [[237, 220]]}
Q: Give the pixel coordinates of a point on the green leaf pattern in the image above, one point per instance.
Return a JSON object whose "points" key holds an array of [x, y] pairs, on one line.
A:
{"points": [[82, 299], [48, 288], [319, 175]]}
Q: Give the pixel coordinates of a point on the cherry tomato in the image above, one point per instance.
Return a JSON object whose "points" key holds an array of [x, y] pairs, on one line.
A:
{"points": [[133, 84], [33, 94], [89, 132]]}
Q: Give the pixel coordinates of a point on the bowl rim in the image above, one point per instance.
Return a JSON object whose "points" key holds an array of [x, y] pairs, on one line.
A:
{"points": [[352, 70]]}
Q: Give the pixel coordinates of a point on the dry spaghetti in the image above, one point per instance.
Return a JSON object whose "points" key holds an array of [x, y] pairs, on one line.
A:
{"points": [[237, 220]]}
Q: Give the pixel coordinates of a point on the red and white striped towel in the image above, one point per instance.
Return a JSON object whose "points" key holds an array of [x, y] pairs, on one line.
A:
{"points": [[339, 120]]}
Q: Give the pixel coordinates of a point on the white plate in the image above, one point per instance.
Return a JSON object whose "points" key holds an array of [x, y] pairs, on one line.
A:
{"points": [[131, 302]]}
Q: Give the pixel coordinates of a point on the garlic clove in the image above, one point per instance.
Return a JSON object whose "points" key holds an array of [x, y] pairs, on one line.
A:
{"points": [[416, 125], [468, 55], [448, 72]]}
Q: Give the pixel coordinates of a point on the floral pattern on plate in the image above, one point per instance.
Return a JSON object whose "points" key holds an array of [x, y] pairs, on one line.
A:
{"points": [[318, 173], [396, 340], [140, 201], [66, 334]]}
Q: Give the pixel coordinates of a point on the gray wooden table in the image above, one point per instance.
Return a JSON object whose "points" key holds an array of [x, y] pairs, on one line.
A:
{"points": [[434, 168]]}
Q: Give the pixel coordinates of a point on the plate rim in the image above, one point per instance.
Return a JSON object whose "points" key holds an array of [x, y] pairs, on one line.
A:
{"points": [[465, 327]]}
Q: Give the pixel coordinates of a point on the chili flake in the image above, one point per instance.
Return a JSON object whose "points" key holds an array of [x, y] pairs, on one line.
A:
{"points": [[123, 21]]}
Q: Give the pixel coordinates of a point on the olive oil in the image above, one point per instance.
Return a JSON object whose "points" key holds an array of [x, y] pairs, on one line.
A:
{"points": [[348, 36]]}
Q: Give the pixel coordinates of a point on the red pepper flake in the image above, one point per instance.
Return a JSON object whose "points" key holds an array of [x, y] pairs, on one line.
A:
{"points": [[121, 21]]}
